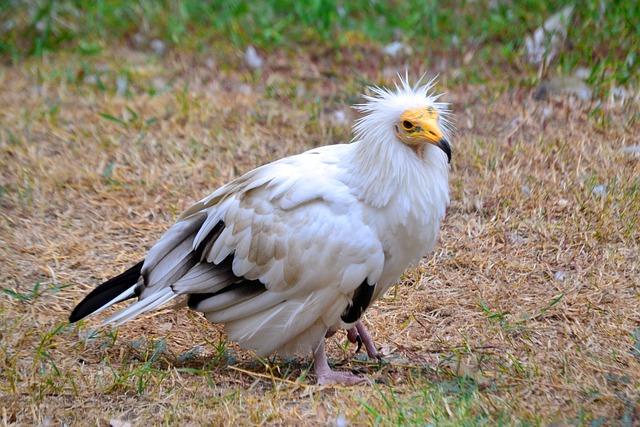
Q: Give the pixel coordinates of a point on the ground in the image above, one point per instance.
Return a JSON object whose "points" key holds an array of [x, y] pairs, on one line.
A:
{"points": [[527, 313]]}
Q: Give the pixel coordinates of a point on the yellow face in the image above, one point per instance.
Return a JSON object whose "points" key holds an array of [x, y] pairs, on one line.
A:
{"points": [[420, 125]]}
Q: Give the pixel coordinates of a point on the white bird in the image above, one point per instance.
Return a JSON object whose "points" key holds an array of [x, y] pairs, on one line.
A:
{"points": [[294, 250]]}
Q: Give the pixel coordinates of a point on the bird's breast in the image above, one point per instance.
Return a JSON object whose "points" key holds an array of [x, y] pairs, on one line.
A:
{"points": [[408, 229]]}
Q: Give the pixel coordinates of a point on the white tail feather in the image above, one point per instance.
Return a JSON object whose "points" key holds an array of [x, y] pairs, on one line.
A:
{"points": [[142, 306]]}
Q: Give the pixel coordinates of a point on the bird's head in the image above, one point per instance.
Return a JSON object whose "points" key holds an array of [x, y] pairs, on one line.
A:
{"points": [[410, 113]]}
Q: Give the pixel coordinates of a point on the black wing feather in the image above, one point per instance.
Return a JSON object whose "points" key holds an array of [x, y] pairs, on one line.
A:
{"points": [[361, 300], [107, 292]]}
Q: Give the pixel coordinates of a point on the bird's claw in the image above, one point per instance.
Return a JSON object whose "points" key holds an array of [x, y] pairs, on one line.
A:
{"points": [[359, 342]]}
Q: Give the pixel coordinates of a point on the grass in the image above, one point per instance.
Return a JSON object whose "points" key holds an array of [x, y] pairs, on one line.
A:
{"points": [[526, 314], [603, 38]]}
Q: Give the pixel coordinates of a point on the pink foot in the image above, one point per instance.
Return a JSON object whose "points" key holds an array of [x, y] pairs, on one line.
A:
{"points": [[325, 375], [338, 377]]}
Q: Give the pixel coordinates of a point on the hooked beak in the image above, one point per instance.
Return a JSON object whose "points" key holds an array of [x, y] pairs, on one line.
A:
{"points": [[443, 144]]}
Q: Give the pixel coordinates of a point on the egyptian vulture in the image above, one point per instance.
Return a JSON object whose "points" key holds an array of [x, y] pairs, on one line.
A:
{"points": [[294, 250]]}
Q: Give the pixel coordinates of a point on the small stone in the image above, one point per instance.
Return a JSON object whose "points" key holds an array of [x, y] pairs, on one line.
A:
{"points": [[245, 89], [339, 118], [396, 48], [210, 63], [90, 79], [118, 423], [619, 94], [252, 58], [559, 276], [582, 73], [121, 85], [158, 46], [341, 421], [515, 238], [631, 150], [138, 40], [515, 122]]}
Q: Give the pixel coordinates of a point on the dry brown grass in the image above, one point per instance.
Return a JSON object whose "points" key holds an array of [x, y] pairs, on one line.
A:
{"points": [[529, 311]]}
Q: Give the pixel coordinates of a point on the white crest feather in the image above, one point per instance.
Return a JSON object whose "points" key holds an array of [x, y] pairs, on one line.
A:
{"points": [[385, 103]]}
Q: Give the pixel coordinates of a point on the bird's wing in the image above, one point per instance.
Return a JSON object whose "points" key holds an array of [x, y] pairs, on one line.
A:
{"points": [[279, 255]]}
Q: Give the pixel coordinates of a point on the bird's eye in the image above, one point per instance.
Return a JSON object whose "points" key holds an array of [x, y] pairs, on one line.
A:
{"points": [[407, 125]]}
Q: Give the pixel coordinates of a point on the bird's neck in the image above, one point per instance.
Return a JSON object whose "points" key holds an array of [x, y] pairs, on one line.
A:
{"points": [[383, 172]]}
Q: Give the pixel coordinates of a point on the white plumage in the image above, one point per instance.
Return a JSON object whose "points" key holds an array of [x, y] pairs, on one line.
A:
{"points": [[296, 249]]}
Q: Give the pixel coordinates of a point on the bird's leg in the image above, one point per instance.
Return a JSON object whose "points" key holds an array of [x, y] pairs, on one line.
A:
{"points": [[365, 338], [352, 335], [330, 333], [354, 338], [325, 375]]}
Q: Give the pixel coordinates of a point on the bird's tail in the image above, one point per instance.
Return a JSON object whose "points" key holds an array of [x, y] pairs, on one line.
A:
{"points": [[119, 288]]}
